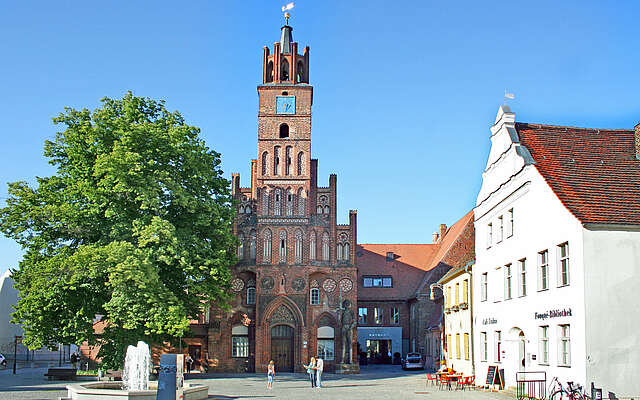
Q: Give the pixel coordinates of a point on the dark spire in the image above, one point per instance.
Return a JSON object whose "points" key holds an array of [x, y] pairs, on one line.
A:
{"points": [[285, 39]]}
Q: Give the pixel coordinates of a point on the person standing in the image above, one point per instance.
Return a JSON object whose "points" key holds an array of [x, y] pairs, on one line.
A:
{"points": [[319, 369], [271, 373], [74, 360], [311, 370], [189, 362]]}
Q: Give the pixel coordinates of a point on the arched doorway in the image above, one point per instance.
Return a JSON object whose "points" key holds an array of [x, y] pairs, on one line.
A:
{"points": [[282, 347]]}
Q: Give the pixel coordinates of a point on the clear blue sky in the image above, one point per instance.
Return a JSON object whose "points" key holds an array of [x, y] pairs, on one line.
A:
{"points": [[405, 92]]}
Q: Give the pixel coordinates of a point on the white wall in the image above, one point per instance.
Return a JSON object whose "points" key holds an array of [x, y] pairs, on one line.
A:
{"points": [[612, 270], [459, 322]]}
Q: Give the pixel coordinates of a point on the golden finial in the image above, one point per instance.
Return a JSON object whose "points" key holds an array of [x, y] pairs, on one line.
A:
{"points": [[286, 17]]}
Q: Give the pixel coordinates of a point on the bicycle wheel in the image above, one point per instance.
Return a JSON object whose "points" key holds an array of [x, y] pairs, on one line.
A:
{"points": [[576, 395], [557, 395]]}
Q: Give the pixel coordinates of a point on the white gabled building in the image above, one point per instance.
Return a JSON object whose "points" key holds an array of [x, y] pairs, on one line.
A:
{"points": [[557, 225]]}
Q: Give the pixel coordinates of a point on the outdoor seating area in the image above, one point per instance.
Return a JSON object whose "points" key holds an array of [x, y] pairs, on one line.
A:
{"points": [[450, 380]]}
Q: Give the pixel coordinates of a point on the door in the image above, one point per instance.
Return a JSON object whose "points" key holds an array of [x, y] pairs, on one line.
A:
{"points": [[194, 352], [522, 354], [282, 347]]}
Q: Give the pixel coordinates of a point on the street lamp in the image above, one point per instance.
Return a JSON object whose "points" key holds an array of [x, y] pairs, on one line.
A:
{"points": [[433, 286]]}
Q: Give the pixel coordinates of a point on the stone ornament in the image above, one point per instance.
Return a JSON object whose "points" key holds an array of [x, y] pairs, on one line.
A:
{"points": [[282, 314], [329, 285], [346, 284], [237, 284], [298, 284], [267, 283], [314, 284]]}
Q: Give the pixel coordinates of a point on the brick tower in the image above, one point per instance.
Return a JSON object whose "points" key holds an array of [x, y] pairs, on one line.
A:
{"points": [[296, 272]]}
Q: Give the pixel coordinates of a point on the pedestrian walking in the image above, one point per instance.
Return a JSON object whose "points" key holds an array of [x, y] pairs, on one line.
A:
{"points": [[319, 369], [189, 362], [271, 373], [311, 370]]}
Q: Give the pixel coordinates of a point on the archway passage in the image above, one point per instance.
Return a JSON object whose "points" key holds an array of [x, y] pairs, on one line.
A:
{"points": [[282, 347]]}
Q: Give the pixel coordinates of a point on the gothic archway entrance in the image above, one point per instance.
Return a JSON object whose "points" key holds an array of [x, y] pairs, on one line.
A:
{"points": [[282, 347]]}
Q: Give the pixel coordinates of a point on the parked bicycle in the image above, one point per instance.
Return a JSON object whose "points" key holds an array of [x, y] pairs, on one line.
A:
{"points": [[572, 392]]}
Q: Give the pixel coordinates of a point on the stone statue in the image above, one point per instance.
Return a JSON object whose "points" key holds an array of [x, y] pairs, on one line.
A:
{"points": [[348, 320]]}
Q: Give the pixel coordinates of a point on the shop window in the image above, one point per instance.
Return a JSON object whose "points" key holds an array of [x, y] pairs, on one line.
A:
{"points": [[240, 341], [378, 315], [326, 343], [362, 315]]}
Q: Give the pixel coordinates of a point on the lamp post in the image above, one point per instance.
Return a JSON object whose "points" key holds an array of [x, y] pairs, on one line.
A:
{"points": [[15, 352]]}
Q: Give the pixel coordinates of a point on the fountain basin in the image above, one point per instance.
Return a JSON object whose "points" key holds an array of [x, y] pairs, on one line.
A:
{"points": [[114, 391]]}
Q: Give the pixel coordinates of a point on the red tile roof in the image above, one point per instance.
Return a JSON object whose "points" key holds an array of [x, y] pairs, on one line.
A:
{"points": [[407, 269], [593, 172]]}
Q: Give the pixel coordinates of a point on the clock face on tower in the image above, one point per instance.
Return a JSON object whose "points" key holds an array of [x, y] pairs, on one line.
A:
{"points": [[285, 104]]}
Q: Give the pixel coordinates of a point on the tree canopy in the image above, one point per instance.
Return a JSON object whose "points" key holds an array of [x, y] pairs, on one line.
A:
{"points": [[135, 227]]}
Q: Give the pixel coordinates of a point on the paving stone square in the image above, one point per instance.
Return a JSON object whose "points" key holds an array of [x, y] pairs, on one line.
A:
{"points": [[375, 382]]}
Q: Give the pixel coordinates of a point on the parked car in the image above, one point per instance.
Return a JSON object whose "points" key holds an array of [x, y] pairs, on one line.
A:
{"points": [[413, 361], [3, 360]]}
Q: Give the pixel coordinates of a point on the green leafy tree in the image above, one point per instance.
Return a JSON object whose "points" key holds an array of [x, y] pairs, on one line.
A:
{"points": [[135, 226]]}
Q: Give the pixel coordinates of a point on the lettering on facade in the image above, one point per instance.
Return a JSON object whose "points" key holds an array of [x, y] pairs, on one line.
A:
{"points": [[553, 314], [489, 321]]}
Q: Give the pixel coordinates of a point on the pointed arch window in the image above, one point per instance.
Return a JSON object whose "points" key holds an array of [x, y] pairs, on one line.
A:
{"points": [[325, 246], [277, 202], [264, 163], [342, 248], [270, 71], [283, 246], [252, 245], [298, 247], [300, 72], [312, 246], [276, 160], [301, 201], [266, 246], [289, 202], [265, 202], [241, 246], [251, 295], [287, 159], [300, 163], [284, 75]]}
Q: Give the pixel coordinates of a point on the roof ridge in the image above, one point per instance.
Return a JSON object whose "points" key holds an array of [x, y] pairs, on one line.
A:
{"points": [[573, 127]]}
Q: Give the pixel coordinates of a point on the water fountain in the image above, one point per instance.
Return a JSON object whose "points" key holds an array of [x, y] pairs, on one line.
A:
{"points": [[135, 382]]}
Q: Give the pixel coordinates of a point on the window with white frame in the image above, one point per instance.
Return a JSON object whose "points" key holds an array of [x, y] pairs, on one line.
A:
{"points": [[522, 287], [483, 346], [564, 346], [449, 345], [507, 282], [362, 315], [458, 346], [509, 223], [314, 296], [543, 270], [500, 229], [489, 235], [465, 291], [466, 346], [251, 295], [543, 338], [497, 341], [395, 315], [326, 343], [483, 286], [449, 296], [563, 264], [457, 293], [240, 341], [378, 315]]}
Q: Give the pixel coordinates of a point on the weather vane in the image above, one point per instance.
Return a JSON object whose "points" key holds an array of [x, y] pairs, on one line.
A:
{"points": [[509, 96], [286, 14]]}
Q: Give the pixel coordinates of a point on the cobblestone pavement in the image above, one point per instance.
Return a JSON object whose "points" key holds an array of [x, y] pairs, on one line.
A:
{"points": [[375, 382]]}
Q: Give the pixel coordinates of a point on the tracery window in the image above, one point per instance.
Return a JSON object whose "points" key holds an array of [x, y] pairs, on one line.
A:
{"points": [[343, 247], [325, 246], [276, 160], [283, 246], [277, 202], [301, 201], [265, 202], [266, 245], [241, 246], [289, 206], [264, 163], [300, 163], [287, 160], [298, 247], [312, 246], [252, 245]]}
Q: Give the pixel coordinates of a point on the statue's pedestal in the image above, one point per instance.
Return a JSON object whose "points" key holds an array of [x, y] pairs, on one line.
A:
{"points": [[347, 368]]}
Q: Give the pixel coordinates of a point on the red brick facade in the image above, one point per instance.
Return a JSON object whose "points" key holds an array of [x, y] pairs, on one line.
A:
{"points": [[291, 246]]}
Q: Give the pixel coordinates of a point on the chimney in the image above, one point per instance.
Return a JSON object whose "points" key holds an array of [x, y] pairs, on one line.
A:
{"points": [[443, 230], [637, 129], [435, 237]]}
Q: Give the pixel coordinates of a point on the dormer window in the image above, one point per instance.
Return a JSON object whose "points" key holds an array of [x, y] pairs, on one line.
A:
{"points": [[390, 256]]}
